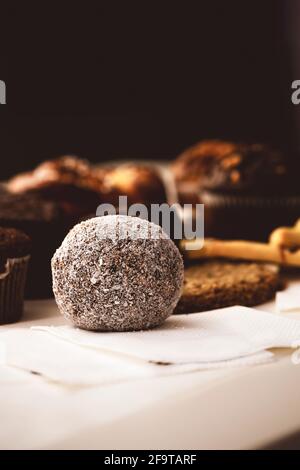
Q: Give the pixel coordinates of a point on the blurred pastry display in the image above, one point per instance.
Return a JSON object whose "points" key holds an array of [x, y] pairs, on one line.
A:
{"points": [[48, 201], [80, 187], [248, 189], [68, 180]]}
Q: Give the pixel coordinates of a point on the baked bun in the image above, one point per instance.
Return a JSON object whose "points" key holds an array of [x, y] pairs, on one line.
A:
{"points": [[68, 179], [191, 165], [228, 166], [248, 168], [140, 183]]}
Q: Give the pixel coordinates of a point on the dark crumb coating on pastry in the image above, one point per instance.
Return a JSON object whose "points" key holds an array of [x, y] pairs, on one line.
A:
{"points": [[117, 283], [217, 284]]}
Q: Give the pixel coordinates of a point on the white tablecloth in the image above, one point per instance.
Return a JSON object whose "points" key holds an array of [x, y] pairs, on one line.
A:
{"points": [[217, 407]]}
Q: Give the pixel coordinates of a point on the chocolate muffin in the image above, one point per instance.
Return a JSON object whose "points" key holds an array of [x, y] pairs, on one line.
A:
{"points": [[15, 247], [46, 225], [194, 163], [248, 169], [248, 189], [140, 183], [248, 193], [79, 188], [69, 181]]}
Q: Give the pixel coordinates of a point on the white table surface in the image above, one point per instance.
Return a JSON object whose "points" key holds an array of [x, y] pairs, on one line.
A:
{"points": [[221, 409]]}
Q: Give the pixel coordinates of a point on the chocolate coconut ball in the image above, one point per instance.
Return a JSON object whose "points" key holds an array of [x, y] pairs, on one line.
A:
{"points": [[117, 273]]}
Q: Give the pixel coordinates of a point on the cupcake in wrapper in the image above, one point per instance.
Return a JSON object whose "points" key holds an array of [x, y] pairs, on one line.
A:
{"points": [[247, 189], [14, 259], [246, 217]]}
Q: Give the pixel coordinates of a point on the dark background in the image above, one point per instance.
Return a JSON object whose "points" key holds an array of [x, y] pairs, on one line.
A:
{"points": [[145, 79]]}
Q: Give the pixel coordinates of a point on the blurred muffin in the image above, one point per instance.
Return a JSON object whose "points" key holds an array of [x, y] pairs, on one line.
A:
{"points": [[246, 169], [45, 224], [79, 188], [140, 183], [194, 163], [46, 202], [249, 192], [15, 249], [68, 180], [248, 189]]}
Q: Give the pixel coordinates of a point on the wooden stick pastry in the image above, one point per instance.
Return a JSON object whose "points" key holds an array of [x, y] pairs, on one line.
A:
{"points": [[240, 249]]}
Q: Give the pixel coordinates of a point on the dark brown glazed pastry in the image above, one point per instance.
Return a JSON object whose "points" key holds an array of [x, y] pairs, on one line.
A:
{"points": [[46, 225], [15, 247]]}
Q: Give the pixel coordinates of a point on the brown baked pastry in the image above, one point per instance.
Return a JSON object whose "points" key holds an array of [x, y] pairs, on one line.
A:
{"points": [[68, 180], [46, 225], [194, 163], [247, 189], [218, 284], [79, 188], [13, 244], [247, 168], [15, 249], [140, 183], [249, 193]]}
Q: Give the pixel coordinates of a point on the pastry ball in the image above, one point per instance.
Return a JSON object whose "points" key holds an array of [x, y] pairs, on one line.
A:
{"points": [[117, 273]]}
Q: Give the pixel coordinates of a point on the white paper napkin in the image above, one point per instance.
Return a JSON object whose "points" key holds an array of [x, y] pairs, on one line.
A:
{"points": [[63, 362], [210, 337], [289, 299], [230, 337]]}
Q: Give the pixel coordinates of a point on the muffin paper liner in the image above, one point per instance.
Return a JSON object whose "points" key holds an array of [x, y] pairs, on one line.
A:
{"points": [[12, 286], [225, 200]]}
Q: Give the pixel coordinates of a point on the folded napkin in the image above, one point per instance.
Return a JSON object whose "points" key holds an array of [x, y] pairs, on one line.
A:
{"points": [[210, 337], [289, 299], [230, 337], [64, 363]]}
